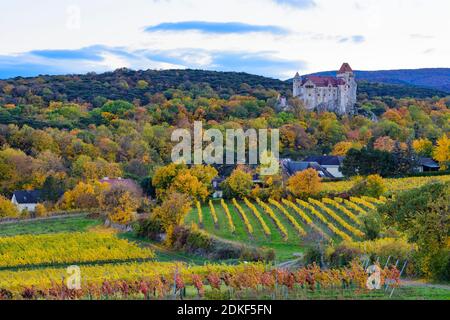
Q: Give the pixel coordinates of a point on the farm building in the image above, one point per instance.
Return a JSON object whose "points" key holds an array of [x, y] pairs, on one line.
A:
{"points": [[331, 163], [427, 165], [26, 199], [290, 168]]}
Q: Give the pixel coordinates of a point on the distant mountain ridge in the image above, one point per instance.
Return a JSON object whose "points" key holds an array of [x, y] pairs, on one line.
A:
{"points": [[433, 78]]}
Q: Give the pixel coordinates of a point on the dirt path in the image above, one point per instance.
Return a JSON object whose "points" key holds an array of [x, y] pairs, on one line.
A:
{"points": [[418, 283]]}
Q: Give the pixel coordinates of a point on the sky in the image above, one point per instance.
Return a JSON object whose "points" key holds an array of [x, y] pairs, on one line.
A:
{"points": [[273, 38]]}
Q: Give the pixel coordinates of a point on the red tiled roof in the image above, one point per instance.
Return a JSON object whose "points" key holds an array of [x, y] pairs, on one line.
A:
{"points": [[320, 81], [345, 68]]}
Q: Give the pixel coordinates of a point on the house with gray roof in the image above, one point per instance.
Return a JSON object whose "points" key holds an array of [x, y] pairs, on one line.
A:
{"points": [[331, 163], [26, 199]]}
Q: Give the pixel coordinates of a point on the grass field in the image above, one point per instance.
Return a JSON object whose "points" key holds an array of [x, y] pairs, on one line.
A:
{"points": [[57, 225]]}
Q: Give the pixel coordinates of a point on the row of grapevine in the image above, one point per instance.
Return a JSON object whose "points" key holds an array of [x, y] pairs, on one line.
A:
{"points": [[241, 211], [199, 212], [363, 202], [228, 214], [354, 206], [273, 216], [341, 208], [373, 200], [258, 216], [304, 217], [291, 219], [213, 213], [324, 220], [337, 218]]}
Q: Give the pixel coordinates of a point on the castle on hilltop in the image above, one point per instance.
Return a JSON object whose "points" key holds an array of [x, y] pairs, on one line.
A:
{"points": [[335, 94]]}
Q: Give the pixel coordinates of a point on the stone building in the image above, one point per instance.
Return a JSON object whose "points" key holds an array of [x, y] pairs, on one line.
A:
{"points": [[335, 94]]}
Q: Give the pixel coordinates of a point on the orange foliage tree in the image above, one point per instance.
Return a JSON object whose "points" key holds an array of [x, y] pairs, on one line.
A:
{"points": [[305, 183]]}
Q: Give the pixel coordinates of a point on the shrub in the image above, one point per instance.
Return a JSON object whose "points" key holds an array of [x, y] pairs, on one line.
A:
{"points": [[346, 251], [371, 224], [40, 211], [372, 186], [440, 265], [193, 240], [149, 228], [313, 255]]}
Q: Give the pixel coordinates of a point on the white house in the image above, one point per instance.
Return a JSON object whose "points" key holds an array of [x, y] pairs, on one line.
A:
{"points": [[26, 199]]}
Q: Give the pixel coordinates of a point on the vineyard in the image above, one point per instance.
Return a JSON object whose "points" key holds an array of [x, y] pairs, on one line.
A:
{"points": [[282, 225], [153, 280], [67, 248], [393, 185]]}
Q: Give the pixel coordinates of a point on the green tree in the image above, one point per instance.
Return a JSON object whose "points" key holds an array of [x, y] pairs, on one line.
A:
{"points": [[368, 161], [424, 215]]}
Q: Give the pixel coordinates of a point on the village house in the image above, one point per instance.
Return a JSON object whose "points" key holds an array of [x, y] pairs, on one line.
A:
{"points": [[331, 163], [26, 199], [290, 168], [427, 165]]}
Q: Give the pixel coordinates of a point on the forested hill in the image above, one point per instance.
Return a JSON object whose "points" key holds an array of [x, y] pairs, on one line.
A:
{"points": [[129, 85], [434, 78]]}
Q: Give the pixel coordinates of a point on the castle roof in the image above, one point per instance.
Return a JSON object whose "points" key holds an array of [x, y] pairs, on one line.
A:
{"points": [[320, 81], [345, 68]]}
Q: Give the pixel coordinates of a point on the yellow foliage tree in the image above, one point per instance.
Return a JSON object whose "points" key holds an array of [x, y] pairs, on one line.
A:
{"points": [[7, 208], [239, 184], [172, 211], [120, 204], [83, 196], [305, 183], [441, 152], [40, 211], [423, 147], [195, 181], [188, 184], [341, 148]]}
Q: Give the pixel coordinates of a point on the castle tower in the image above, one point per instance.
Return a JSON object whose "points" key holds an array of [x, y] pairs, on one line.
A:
{"points": [[297, 85], [347, 90]]}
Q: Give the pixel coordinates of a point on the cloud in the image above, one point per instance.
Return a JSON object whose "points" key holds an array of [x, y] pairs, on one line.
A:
{"points": [[301, 4], [102, 58], [354, 39], [215, 27], [261, 63], [89, 59], [420, 36]]}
